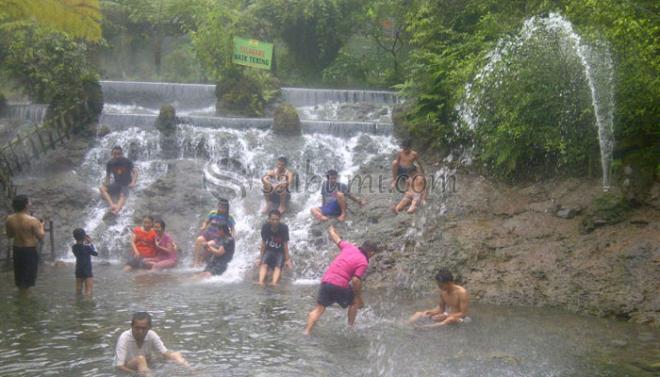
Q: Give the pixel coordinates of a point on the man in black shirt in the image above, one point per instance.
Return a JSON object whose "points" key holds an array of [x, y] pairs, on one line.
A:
{"points": [[119, 177], [274, 249]]}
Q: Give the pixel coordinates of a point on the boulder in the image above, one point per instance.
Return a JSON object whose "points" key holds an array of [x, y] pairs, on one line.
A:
{"points": [[286, 120]]}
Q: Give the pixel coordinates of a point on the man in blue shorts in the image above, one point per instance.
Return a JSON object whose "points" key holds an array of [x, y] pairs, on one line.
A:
{"points": [[333, 196]]}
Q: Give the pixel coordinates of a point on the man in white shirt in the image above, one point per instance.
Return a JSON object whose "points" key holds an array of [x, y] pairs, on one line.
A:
{"points": [[136, 346]]}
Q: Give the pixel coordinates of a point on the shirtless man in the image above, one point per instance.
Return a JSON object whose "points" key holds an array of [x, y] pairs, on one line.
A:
{"points": [[276, 186], [452, 306], [26, 231], [124, 177], [415, 194], [404, 162]]}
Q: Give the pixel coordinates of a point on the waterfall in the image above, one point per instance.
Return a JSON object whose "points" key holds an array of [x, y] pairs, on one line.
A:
{"points": [[231, 154], [32, 113], [598, 68]]}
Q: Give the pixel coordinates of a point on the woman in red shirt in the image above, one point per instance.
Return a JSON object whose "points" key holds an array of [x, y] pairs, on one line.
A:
{"points": [[143, 244]]}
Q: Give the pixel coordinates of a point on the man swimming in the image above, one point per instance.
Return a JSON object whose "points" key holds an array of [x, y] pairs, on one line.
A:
{"points": [[452, 306]]}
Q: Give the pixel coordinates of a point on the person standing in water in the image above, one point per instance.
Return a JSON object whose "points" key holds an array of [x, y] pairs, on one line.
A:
{"points": [[137, 347], [219, 216], [26, 232], [342, 281], [274, 248], [83, 249], [276, 185], [452, 306], [120, 177], [404, 163]]}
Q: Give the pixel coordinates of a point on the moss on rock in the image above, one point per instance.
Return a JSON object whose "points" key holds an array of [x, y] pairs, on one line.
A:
{"points": [[3, 104], [286, 120], [166, 121]]}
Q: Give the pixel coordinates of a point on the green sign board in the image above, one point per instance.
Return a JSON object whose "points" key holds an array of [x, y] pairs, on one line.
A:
{"points": [[253, 53]]}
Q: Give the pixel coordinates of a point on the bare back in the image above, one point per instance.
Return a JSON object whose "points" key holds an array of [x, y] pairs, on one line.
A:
{"points": [[406, 159], [24, 229], [455, 301]]}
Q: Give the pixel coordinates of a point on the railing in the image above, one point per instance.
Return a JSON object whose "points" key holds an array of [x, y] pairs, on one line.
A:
{"points": [[23, 150]]}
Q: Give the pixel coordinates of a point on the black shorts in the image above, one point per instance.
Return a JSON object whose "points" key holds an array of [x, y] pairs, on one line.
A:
{"points": [[330, 293], [274, 197], [26, 260], [273, 258], [136, 262], [216, 268], [114, 189], [84, 272]]}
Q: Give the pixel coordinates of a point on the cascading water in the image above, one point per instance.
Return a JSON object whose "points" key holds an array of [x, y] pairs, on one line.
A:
{"points": [[596, 62]]}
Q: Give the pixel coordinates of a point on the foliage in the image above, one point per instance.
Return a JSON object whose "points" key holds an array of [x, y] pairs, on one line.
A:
{"points": [[77, 18], [52, 68], [245, 91], [3, 104]]}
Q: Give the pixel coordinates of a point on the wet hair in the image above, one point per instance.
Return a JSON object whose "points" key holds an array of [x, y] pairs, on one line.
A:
{"points": [[139, 316], [331, 173], [368, 246], [79, 234], [283, 159], [117, 148], [224, 202], [19, 202], [148, 217], [274, 212], [406, 143], [161, 222], [444, 276]]}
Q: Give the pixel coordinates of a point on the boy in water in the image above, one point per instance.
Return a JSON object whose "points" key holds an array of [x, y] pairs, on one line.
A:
{"points": [[452, 306], [27, 231], [276, 186], [274, 248], [342, 281], [415, 193], [219, 216], [220, 250], [83, 249], [404, 163]]}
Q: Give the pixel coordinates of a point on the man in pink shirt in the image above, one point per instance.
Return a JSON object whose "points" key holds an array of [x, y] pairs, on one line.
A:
{"points": [[342, 281]]}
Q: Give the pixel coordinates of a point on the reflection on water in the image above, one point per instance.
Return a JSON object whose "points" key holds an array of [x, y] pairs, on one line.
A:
{"points": [[238, 329]]}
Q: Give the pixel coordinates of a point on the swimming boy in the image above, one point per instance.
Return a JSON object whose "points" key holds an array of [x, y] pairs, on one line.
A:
{"points": [[342, 281], [83, 249], [452, 306], [404, 162]]}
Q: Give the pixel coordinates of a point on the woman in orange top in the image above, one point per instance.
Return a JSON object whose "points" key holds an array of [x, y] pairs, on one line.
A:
{"points": [[143, 243]]}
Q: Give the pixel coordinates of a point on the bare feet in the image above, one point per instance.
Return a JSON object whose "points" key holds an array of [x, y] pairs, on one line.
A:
{"points": [[342, 217], [282, 210], [412, 209]]}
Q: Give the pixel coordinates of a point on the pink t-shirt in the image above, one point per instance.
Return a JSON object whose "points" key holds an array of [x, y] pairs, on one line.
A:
{"points": [[166, 242], [350, 262]]}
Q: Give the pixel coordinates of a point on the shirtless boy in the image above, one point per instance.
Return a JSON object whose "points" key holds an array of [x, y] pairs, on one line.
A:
{"points": [[404, 162], [415, 194], [452, 306], [26, 231], [276, 186]]}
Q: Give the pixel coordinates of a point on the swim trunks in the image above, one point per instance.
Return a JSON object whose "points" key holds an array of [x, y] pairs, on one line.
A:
{"points": [[273, 258], [26, 261], [330, 293], [216, 268], [331, 208], [114, 189]]}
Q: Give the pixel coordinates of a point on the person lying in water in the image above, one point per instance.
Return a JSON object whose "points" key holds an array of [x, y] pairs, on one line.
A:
{"points": [[452, 305], [415, 194]]}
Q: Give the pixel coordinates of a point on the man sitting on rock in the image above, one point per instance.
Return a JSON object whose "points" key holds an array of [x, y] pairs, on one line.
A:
{"points": [[119, 178], [452, 304], [333, 197], [276, 185]]}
